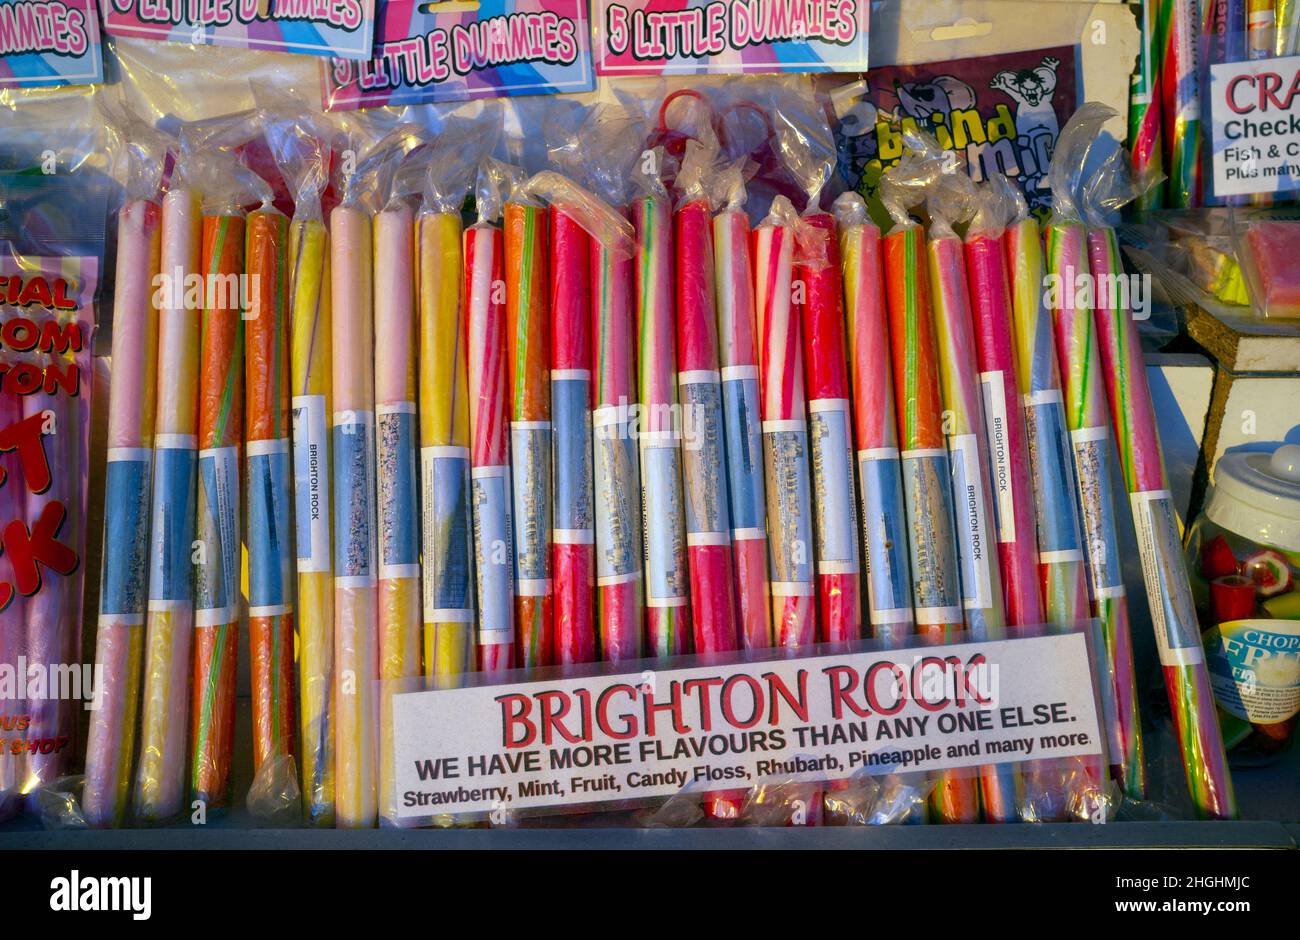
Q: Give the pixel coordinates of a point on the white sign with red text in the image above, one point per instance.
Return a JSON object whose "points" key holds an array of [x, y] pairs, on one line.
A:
{"points": [[618, 738], [1255, 126]]}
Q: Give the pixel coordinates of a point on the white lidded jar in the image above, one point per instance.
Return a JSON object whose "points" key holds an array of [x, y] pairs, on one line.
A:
{"points": [[1243, 555]]}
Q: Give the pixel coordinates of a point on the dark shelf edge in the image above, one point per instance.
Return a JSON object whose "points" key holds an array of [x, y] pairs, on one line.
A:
{"points": [[1218, 835]]}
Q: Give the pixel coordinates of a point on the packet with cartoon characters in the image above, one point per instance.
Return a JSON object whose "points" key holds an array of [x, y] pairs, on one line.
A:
{"points": [[1001, 113]]}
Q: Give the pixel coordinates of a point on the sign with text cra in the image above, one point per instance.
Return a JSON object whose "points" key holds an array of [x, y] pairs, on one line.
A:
{"points": [[617, 740], [1255, 126]]}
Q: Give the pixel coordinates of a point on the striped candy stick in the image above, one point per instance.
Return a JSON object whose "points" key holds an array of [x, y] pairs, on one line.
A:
{"points": [[936, 587], [1168, 590], [1088, 419], [972, 491], [1056, 511], [668, 612], [129, 466], [884, 511], [738, 355], [311, 362], [270, 502], [217, 599], [160, 773], [1145, 123], [528, 361], [927, 496], [444, 451], [704, 460], [738, 358], [821, 315], [616, 473], [785, 438], [981, 575], [490, 499], [356, 614], [400, 614], [1061, 564], [1177, 31], [1004, 431], [573, 553]]}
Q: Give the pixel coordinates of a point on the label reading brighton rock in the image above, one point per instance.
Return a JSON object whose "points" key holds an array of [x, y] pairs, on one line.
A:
{"points": [[973, 534], [311, 490], [619, 739], [995, 424]]}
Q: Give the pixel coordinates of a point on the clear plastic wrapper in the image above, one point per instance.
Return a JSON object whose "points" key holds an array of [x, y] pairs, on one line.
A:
{"points": [[303, 152], [227, 187], [367, 169], [660, 428], [602, 153], [448, 589], [491, 490], [142, 159], [51, 257], [1088, 419], [1093, 196], [1267, 247]]}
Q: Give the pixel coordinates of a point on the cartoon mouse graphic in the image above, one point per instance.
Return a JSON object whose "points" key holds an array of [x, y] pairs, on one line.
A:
{"points": [[1036, 122], [941, 95], [855, 135]]}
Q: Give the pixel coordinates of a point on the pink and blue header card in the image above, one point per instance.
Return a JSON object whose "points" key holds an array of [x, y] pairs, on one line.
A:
{"points": [[697, 37], [456, 51], [49, 42], [343, 28]]}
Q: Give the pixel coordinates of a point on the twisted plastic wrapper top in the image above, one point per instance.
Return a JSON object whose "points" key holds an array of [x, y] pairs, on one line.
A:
{"points": [[455, 155], [143, 159], [498, 183], [997, 203], [302, 149], [1085, 189], [51, 245], [214, 167], [142, 155], [603, 152]]}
